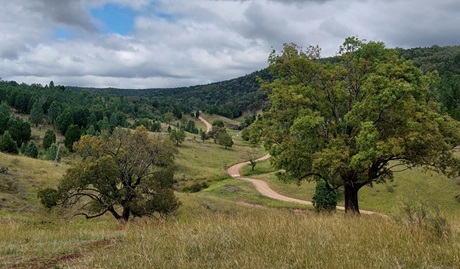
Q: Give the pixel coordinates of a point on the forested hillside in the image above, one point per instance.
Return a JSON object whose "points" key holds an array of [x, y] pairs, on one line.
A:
{"points": [[230, 98], [445, 60]]}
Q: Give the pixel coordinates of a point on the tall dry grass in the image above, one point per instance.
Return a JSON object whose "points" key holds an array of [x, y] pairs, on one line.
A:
{"points": [[278, 239]]}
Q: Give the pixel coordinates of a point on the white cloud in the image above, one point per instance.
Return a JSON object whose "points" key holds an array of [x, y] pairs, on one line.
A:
{"points": [[181, 43]]}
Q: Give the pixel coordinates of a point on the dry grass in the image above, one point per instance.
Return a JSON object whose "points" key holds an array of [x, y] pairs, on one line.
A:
{"points": [[276, 239]]}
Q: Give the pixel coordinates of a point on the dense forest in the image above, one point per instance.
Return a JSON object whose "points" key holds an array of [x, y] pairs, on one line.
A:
{"points": [[230, 98]]}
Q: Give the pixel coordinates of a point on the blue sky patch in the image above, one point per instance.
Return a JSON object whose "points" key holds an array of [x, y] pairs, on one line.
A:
{"points": [[62, 33], [115, 18]]}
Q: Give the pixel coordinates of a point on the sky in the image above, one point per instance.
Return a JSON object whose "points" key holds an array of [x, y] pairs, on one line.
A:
{"points": [[170, 43]]}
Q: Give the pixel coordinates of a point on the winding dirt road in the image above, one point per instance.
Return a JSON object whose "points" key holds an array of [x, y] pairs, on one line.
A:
{"points": [[262, 186], [208, 125]]}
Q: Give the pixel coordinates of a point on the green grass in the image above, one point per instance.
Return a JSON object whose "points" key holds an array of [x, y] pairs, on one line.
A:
{"points": [[411, 184]]}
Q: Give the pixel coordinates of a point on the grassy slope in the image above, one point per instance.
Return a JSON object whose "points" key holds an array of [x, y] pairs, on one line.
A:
{"points": [[410, 184], [228, 225]]}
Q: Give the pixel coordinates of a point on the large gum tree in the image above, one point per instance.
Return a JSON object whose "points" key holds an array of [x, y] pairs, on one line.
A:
{"points": [[354, 119]]}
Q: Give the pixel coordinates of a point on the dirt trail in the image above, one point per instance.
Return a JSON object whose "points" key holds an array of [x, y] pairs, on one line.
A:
{"points": [[263, 188], [208, 125]]}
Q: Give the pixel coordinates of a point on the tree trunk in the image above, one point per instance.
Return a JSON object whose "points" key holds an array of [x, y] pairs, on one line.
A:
{"points": [[351, 198], [126, 213]]}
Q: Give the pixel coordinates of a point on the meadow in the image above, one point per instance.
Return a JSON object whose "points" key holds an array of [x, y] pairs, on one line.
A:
{"points": [[229, 224]]}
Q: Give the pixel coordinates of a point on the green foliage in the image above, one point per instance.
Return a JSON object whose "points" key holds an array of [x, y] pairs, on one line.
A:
{"points": [[215, 132], [20, 130], [218, 123], [36, 114], [177, 136], [203, 136], [7, 144], [64, 120], [48, 197], [324, 199], [54, 111], [4, 118], [196, 187], [190, 127], [72, 135], [50, 138], [156, 127], [31, 150], [224, 139], [52, 151], [352, 119], [128, 174]]}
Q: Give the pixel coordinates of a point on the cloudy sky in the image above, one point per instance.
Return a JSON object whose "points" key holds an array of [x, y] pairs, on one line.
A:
{"points": [[168, 43]]}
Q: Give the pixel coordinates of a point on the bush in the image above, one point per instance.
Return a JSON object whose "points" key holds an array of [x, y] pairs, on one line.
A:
{"points": [[196, 187], [324, 199], [415, 213], [48, 197], [31, 150]]}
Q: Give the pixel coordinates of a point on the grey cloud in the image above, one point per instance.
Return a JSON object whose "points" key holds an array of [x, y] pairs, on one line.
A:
{"points": [[67, 12], [335, 28]]}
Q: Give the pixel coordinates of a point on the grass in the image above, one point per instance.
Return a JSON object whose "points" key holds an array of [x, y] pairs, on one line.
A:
{"points": [[198, 161], [228, 225], [21, 181], [410, 184], [262, 238]]}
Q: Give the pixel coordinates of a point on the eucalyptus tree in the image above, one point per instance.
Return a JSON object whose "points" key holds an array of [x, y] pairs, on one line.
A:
{"points": [[355, 119]]}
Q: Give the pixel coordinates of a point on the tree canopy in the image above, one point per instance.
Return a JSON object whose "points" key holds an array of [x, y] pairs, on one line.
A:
{"points": [[355, 119], [129, 174]]}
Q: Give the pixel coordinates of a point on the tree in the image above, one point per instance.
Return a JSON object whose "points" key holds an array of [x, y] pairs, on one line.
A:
{"points": [[169, 117], [355, 119], [54, 111], [216, 131], [50, 138], [203, 135], [225, 140], [72, 135], [64, 120], [177, 136], [31, 150], [252, 157], [52, 152], [7, 144], [129, 174], [325, 197], [218, 123], [36, 114], [4, 118], [20, 130]]}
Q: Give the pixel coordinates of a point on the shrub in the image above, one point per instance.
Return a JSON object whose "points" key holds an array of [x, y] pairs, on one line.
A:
{"points": [[416, 213], [31, 150], [324, 199], [48, 197]]}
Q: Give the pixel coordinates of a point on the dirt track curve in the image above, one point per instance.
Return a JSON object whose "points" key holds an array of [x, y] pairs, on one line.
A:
{"points": [[262, 187]]}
